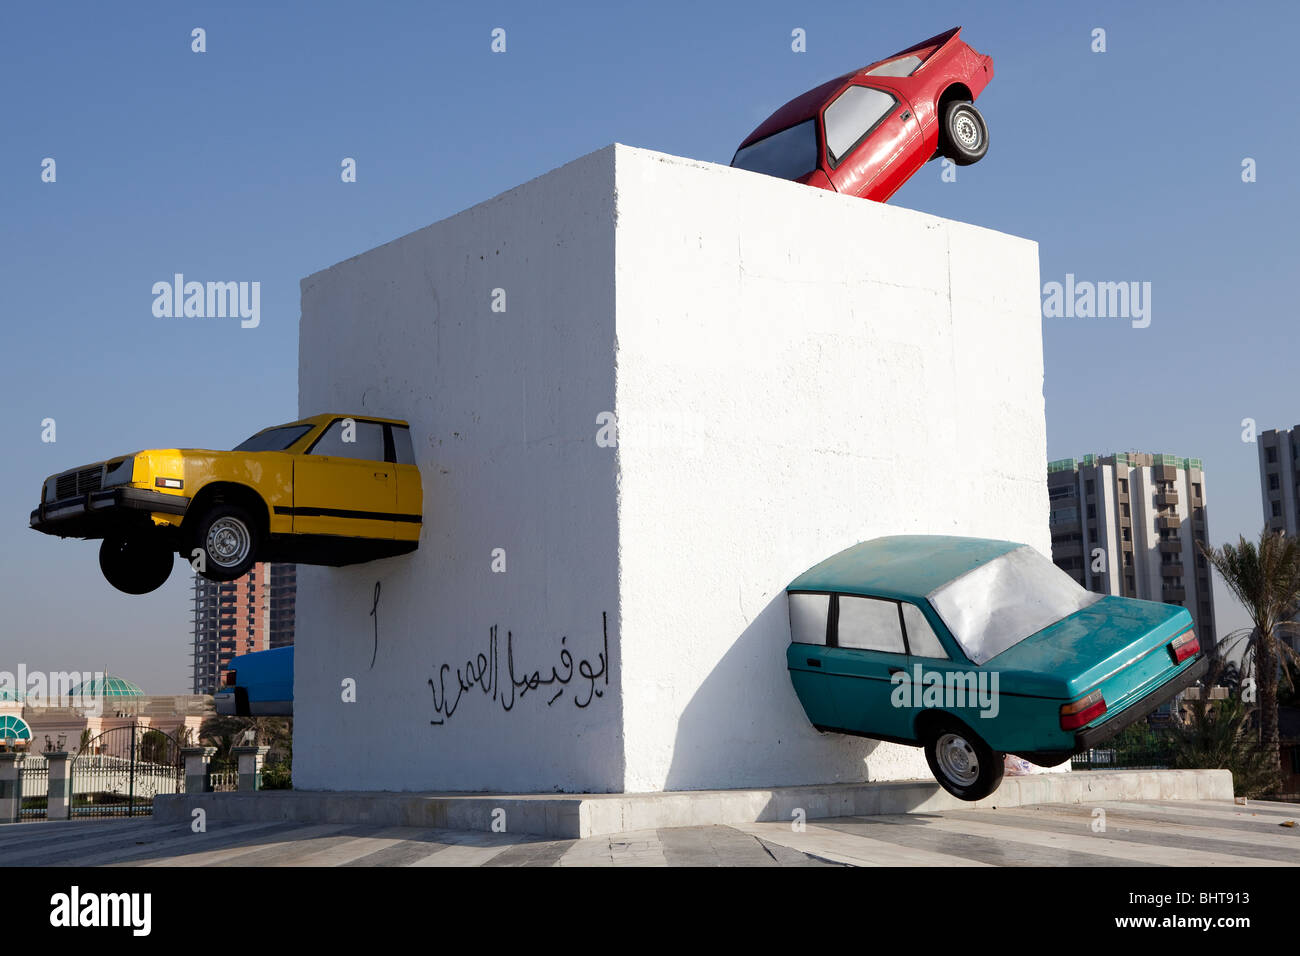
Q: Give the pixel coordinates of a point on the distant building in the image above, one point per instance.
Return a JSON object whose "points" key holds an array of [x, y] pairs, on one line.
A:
{"points": [[1279, 478], [1131, 525], [119, 703], [252, 613], [1279, 486]]}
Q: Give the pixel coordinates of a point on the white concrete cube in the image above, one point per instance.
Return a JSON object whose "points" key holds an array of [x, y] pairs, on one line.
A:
{"points": [[791, 371]]}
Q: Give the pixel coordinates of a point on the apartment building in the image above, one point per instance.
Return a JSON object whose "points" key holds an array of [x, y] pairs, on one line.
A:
{"points": [[1131, 524], [1279, 478], [252, 613]]}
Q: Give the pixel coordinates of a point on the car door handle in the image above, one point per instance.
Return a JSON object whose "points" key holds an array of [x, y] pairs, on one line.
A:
{"points": [[814, 662], [381, 475], [907, 115]]}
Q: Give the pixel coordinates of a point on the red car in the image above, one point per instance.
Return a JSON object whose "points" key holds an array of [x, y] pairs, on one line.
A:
{"points": [[867, 132]]}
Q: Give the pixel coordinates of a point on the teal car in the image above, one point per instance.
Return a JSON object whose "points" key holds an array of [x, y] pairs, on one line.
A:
{"points": [[975, 648]]}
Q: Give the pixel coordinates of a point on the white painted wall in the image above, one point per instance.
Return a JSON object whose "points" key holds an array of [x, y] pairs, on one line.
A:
{"points": [[793, 372], [502, 408], [797, 371]]}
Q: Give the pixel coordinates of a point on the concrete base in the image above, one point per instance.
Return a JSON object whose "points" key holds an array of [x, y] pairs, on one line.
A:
{"points": [[576, 816]]}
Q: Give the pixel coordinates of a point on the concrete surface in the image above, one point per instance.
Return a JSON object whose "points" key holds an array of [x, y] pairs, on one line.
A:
{"points": [[791, 371], [1201, 833], [578, 816]]}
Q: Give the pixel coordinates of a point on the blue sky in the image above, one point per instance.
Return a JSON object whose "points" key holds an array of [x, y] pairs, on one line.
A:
{"points": [[1123, 165]]}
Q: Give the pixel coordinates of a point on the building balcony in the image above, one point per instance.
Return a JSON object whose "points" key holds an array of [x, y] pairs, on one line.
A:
{"points": [[1171, 570], [1070, 549], [1169, 522], [1173, 593], [1171, 546], [1166, 498]]}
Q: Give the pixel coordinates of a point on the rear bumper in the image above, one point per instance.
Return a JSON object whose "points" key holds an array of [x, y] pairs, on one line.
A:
{"points": [[95, 512], [1090, 737]]}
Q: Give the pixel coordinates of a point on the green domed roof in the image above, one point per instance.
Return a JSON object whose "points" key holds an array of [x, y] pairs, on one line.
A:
{"points": [[12, 728], [107, 686]]}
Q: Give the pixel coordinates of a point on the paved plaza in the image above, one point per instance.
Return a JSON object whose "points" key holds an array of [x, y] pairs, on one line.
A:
{"points": [[1139, 833]]}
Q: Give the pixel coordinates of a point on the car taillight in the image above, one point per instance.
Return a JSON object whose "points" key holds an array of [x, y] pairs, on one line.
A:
{"points": [[1184, 646], [230, 678], [1082, 711]]}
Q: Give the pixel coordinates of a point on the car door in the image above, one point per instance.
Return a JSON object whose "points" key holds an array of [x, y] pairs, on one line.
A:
{"points": [[805, 657], [867, 650], [871, 136], [343, 485], [410, 496], [954, 686]]}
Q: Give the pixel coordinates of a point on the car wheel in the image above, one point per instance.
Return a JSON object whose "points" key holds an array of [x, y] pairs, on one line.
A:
{"points": [[964, 765], [134, 563], [228, 537], [965, 134]]}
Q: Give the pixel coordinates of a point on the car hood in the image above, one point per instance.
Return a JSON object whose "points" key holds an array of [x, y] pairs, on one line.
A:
{"points": [[1096, 641]]}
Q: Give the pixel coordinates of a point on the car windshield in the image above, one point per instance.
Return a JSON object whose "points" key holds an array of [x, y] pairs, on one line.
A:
{"points": [[789, 154], [274, 439], [999, 604]]}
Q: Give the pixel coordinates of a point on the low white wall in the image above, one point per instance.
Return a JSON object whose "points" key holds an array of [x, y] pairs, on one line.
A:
{"points": [[792, 372]]}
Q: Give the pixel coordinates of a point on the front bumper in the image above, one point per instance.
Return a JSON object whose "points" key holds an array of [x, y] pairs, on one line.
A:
{"points": [[91, 514], [1090, 737]]}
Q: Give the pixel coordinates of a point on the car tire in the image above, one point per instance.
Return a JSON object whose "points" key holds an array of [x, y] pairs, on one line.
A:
{"points": [[135, 564], [961, 761], [229, 538], [965, 134]]}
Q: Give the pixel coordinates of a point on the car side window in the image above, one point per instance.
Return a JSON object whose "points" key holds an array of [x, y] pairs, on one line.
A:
{"points": [[808, 617], [402, 449], [364, 440], [870, 624], [921, 639], [854, 114]]}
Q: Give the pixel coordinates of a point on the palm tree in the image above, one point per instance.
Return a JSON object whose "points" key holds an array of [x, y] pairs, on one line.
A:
{"points": [[1216, 735], [1266, 580]]}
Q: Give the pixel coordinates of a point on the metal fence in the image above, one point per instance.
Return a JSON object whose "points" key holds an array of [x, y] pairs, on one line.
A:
{"points": [[34, 788]]}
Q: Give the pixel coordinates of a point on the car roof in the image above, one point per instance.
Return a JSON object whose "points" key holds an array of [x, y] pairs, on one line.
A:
{"points": [[908, 566], [807, 105], [330, 416]]}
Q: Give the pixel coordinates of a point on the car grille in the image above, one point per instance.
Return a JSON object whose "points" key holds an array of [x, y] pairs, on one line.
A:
{"points": [[78, 482]]}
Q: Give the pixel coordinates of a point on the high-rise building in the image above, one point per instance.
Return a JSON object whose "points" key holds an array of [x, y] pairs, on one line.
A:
{"points": [[252, 613], [1279, 487], [284, 593], [1132, 525], [1279, 478]]}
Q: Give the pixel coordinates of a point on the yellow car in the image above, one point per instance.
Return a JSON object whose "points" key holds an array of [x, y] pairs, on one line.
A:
{"points": [[330, 489]]}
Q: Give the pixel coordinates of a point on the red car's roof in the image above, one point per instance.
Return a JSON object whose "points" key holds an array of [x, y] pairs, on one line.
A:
{"points": [[808, 104]]}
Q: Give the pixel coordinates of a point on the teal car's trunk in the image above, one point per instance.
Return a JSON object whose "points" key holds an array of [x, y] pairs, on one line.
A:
{"points": [[1117, 646]]}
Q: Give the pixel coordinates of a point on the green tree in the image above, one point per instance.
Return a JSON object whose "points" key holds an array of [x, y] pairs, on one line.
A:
{"points": [[224, 733], [1265, 579], [1218, 735]]}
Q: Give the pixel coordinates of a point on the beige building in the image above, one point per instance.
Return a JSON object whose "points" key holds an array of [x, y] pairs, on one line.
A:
{"points": [[118, 703], [1130, 524]]}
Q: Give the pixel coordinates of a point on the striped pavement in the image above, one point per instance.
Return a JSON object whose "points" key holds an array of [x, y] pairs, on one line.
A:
{"points": [[1147, 833]]}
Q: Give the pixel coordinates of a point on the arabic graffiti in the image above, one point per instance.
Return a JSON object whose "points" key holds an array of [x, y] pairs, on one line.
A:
{"points": [[484, 672]]}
